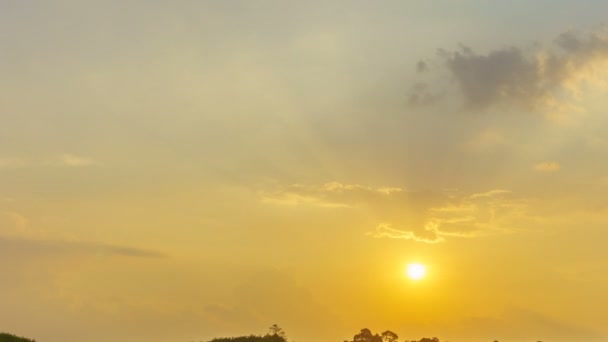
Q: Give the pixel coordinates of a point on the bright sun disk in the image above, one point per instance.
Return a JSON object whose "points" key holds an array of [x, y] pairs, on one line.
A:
{"points": [[416, 271]]}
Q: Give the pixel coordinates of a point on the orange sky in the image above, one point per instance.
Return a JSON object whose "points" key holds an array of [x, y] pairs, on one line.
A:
{"points": [[176, 171]]}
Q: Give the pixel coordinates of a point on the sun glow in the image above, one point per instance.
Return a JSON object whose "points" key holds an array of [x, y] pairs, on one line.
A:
{"points": [[416, 271]]}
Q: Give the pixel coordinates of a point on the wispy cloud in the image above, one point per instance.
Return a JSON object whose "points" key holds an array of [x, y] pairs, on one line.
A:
{"points": [[65, 159], [76, 161], [35, 247], [547, 167], [126, 251], [385, 230], [411, 216], [470, 216], [328, 195]]}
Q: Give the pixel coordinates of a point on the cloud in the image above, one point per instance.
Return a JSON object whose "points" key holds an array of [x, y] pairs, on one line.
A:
{"points": [[128, 251], [478, 214], [421, 94], [406, 215], [328, 195], [76, 161], [387, 231], [470, 216], [33, 247], [66, 159], [530, 79], [422, 66], [491, 193], [547, 167]]}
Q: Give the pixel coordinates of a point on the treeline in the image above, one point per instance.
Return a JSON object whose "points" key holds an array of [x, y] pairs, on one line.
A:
{"points": [[276, 334], [5, 337], [251, 338], [366, 335]]}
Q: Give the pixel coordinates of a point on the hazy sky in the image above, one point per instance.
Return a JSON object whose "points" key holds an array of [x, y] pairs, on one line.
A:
{"points": [[182, 170]]}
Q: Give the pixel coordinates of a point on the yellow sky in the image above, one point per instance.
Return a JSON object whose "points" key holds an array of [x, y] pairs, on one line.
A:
{"points": [[176, 171]]}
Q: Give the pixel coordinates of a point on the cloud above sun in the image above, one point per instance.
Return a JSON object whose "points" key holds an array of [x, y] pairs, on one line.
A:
{"points": [[410, 215], [475, 215]]}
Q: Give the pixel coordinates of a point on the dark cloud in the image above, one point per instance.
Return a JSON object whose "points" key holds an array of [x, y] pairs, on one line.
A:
{"points": [[501, 75], [584, 47], [421, 94], [422, 66], [530, 78]]}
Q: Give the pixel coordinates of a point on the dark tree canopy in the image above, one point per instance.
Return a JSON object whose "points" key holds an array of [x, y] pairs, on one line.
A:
{"points": [[366, 336], [4, 337], [428, 339], [389, 336]]}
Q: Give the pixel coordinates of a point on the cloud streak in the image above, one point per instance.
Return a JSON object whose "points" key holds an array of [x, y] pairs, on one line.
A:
{"points": [[385, 230], [328, 195], [76, 161], [65, 160], [547, 167], [31, 247]]}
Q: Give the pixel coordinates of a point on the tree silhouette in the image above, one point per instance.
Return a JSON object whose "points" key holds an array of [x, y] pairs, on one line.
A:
{"points": [[428, 339], [275, 330], [366, 336], [389, 336]]}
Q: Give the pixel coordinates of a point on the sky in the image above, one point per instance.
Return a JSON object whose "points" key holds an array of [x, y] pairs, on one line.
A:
{"points": [[183, 170]]}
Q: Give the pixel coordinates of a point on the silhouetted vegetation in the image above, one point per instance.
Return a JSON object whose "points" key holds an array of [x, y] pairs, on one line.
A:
{"points": [[428, 339], [275, 334], [366, 335], [5, 337], [250, 338]]}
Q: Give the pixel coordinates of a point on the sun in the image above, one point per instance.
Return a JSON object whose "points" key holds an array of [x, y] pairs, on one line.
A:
{"points": [[416, 271]]}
